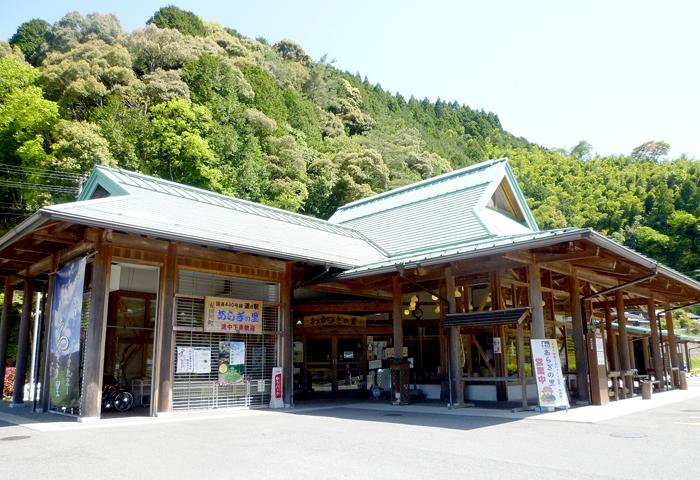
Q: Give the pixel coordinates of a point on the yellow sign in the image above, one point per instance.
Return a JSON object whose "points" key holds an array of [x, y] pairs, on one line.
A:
{"points": [[232, 315], [334, 320]]}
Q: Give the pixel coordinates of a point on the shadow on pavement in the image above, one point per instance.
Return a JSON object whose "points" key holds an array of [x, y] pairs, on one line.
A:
{"points": [[371, 412]]}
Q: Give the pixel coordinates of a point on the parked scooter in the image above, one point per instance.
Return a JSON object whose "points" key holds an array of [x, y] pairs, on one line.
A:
{"points": [[114, 397]]}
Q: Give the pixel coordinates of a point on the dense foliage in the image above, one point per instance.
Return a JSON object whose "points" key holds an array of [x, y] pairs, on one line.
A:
{"points": [[196, 102]]}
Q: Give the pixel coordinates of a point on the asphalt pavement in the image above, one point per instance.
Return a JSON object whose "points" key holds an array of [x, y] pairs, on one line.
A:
{"points": [[328, 441]]}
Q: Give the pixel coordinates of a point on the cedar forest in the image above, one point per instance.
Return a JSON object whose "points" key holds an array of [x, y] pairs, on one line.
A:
{"points": [[198, 103]]}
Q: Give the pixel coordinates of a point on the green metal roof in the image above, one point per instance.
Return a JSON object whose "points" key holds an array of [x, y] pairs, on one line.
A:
{"points": [[439, 211]]}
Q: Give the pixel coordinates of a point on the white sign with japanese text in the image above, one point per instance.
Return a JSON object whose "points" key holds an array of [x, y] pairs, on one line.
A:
{"points": [[551, 389]]}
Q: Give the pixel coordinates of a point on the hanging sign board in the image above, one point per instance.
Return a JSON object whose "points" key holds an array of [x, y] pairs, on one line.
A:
{"points": [[551, 389], [334, 320], [64, 343], [232, 315]]}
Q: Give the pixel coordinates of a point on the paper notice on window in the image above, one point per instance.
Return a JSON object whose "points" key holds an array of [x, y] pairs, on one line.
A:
{"points": [[201, 360], [185, 360]]}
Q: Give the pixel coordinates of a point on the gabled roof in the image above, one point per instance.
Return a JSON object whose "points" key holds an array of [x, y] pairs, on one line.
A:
{"points": [[139, 203], [440, 211]]}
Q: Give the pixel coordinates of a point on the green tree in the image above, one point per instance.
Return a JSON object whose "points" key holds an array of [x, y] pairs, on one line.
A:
{"points": [[183, 21], [178, 148], [30, 36], [653, 150], [82, 77]]}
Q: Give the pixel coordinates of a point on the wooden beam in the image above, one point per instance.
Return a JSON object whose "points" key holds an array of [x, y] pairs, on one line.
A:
{"points": [[343, 307], [218, 255], [68, 253], [337, 287], [91, 396], [62, 237]]}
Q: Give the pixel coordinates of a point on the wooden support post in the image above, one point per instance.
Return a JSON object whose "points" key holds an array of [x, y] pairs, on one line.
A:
{"points": [[444, 342], [521, 364], [5, 328], [647, 357], [455, 345], [23, 346], [672, 345], [499, 360], [91, 396], [46, 344], [537, 312], [166, 345], [579, 338], [623, 344], [689, 365], [397, 316], [610, 350], [287, 334]]}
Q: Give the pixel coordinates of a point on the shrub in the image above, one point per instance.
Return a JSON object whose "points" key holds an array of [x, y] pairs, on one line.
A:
{"points": [[7, 388]]}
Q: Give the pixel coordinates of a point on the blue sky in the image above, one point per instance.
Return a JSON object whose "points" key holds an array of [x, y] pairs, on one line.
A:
{"points": [[616, 73]]}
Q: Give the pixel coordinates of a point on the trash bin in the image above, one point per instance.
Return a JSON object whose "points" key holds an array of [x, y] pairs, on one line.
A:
{"points": [[399, 381], [683, 380], [646, 389]]}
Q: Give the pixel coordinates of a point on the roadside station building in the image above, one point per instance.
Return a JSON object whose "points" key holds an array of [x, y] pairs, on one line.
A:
{"points": [[191, 298]]}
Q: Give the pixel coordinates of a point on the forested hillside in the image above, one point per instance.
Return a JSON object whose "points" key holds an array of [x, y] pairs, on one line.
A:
{"points": [[196, 102]]}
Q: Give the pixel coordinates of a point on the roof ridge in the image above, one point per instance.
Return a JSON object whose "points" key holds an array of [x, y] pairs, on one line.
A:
{"points": [[197, 190], [423, 183]]}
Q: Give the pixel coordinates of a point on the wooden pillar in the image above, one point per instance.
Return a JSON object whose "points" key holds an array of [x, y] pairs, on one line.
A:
{"points": [[689, 365], [672, 345], [623, 348], [5, 328], [455, 345], [579, 338], [610, 350], [166, 345], [287, 334], [444, 342], [521, 364], [23, 346], [397, 316], [499, 360], [46, 344], [537, 312], [645, 350], [91, 396], [658, 364]]}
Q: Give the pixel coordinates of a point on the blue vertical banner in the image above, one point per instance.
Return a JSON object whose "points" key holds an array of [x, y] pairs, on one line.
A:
{"points": [[64, 346]]}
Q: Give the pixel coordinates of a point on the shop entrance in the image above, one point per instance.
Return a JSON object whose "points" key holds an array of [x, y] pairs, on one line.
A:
{"points": [[129, 346], [335, 365]]}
